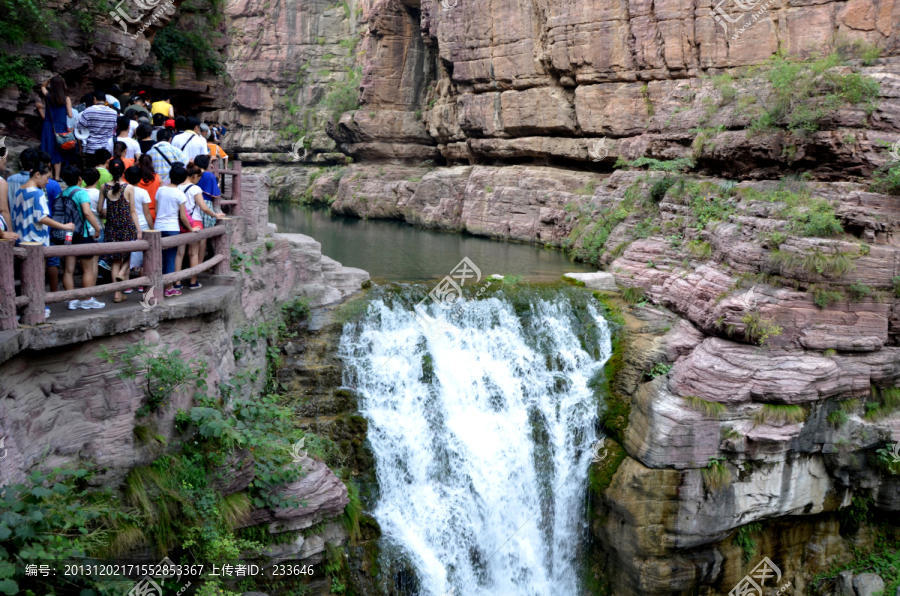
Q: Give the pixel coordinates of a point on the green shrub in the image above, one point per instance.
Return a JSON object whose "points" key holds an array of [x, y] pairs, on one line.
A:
{"points": [[895, 283], [838, 418], [184, 39], [758, 330], [716, 475], [858, 291], [825, 298], [779, 414], [699, 249], [659, 369], [743, 538], [634, 295], [344, 96], [886, 402], [886, 179], [712, 409], [655, 165], [710, 208], [661, 187], [25, 20], [814, 262], [588, 188], [16, 70]]}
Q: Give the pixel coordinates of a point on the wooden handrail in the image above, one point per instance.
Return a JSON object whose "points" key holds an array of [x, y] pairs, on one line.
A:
{"points": [[33, 254], [96, 248], [191, 237], [170, 278]]}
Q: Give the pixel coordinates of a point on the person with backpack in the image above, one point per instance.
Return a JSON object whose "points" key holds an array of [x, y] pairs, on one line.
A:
{"points": [[74, 206], [165, 154], [191, 142]]}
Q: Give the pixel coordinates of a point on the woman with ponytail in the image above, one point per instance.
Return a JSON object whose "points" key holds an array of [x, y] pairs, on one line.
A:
{"points": [[122, 224]]}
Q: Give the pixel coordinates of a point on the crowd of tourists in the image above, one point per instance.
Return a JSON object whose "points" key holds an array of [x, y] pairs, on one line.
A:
{"points": [[108, 169]]}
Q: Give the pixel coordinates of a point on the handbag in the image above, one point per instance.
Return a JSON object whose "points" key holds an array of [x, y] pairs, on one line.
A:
{"points": [[66, 140]]}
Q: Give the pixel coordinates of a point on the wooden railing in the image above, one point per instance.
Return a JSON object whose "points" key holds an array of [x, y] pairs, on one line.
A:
{"points": [[34, 254], [235, 198]]}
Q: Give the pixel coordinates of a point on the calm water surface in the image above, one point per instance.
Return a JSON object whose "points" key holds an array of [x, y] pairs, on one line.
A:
{"points": [[395, 251]]}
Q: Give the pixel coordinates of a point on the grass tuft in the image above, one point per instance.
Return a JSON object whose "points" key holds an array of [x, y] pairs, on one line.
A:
{"points": [[779, 414], [712, 409]]}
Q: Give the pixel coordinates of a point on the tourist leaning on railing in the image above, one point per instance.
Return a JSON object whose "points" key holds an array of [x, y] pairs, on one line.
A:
{"points": [[198, 211], [122, 224], [170, 212], [88, 234]]}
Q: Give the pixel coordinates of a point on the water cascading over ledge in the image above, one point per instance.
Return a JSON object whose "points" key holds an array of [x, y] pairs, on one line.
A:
{"points": [[482, 433]]}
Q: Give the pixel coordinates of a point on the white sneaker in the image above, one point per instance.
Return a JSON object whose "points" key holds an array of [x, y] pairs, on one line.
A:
{"points": [[73, 304], [92, 303]]}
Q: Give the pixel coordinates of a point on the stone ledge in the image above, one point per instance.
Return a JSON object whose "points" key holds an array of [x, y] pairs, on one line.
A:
{"points": [[71, 327]]}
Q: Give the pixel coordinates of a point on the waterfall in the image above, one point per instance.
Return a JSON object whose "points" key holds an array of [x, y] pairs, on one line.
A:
{"points": [[482, 433]]}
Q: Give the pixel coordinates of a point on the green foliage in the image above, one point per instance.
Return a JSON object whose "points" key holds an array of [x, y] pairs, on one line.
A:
{"points": [[712, 409], [895, 284], [886, 461], [805, 92], [859, 291], [885, 402], [838, 418], [241, 261], [710, 208], [886, 179], [661, 187], [174, 46], [699, 249], [344, 96], [25, 20], [336, 568], [758, 330], [55, 516], [779, 414], [655, 165], [814, 262], [883, 558], [163, 372], [824, 298], [659, 369], [634, 295], [716, 474], [16, 69], [296, 310], [744, 539]]}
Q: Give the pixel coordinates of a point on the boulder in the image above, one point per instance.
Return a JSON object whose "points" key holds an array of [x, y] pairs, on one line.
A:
{"points": [[868, 584], [598, 280]]}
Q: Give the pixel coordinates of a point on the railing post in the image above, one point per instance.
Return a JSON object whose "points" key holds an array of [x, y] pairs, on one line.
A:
{"points": [[7, 286], [236, 188], [33, 271], [153, 259], [222, 246]]}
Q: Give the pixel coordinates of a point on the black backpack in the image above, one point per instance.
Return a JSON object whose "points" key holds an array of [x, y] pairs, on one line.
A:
{"points": [[65, 210]]}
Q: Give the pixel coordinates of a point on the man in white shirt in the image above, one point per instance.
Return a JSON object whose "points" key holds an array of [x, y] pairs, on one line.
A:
{"points": [[191, 142]]}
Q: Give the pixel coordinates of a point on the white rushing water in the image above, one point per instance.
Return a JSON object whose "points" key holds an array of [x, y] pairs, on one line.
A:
{"points": [[482, 464]]}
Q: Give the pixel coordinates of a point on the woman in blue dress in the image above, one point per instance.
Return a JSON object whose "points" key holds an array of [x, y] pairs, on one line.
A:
{"points": [[55, 110]]}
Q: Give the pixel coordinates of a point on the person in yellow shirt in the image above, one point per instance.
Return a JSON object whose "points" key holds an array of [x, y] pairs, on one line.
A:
{"points": [[163, 107]]}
